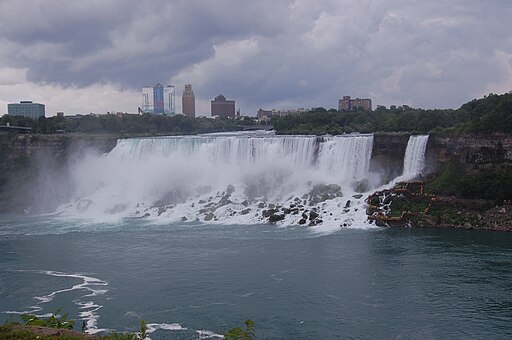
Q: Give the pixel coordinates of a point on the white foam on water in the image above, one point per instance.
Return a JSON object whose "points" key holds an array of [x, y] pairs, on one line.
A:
{"points": [[89, 309], [204, 334]]}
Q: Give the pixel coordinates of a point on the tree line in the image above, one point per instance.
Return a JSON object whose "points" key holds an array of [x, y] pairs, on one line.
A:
{"points": [[129, 124], [490, 114]]}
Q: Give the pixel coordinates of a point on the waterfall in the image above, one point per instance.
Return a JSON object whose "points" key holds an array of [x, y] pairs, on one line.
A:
{"points": [[224, 178], [414, 159]]}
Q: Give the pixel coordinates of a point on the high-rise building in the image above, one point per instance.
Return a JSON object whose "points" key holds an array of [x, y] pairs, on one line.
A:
{"points": [[158, 99], [26, 109], [188, 102], [222, 107], [349, 104]]}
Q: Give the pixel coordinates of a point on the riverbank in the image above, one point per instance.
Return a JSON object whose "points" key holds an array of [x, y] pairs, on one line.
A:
{"points": [[408, 205]]}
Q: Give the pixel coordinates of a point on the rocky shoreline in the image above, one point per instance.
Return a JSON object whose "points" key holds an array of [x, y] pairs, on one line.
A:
{"points": [[407, 205]]}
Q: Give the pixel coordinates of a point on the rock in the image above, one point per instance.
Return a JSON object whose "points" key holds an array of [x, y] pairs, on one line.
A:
{"points": [[225, 200], [302, 221], [286, 211], [245, 211], [230, 189], [276, 217], [183, 219], [502, 211], [208, 217], [161, 210], [362, 186], [271, 206], [313, 215], [318, 221], [245, 203], [347, 205], [304, 215], [268, 213], [147, 214], [83, 205], [261, 205], [202, 202], [357, 196]]}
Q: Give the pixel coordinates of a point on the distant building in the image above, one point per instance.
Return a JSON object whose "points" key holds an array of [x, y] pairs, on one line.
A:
{"points": [[188, 102], [222, 107], [26, 109], [60, 114], [349, 104], [158, 99]]}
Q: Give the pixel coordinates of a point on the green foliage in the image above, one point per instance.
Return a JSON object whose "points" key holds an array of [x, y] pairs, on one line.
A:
{"points": [[487, 115], [143, 329], [129, 124], [54, 321], [239, 333], [493, 183]]}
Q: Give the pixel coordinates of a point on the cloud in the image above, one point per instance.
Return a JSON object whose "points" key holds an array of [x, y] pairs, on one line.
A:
{"points": [[271, 54]]}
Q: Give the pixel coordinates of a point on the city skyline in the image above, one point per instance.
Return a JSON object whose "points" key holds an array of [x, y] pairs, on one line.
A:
{"points": [[76, 57]]}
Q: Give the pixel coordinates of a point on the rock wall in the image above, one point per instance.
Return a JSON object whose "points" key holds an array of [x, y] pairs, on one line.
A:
{"points": [[34, 169], [388, 154], [470, 150]]}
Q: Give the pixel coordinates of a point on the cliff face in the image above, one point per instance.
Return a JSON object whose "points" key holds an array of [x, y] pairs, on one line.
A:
{"points": [[388, 154], [470, 150], [34, 169]]}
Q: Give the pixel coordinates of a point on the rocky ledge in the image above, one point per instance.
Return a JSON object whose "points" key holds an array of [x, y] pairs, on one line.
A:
{"points": [[407, 205]]}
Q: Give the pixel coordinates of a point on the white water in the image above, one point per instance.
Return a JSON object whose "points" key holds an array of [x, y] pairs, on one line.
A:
{"points": [[186, 178], [414, 160], [233, 179]]}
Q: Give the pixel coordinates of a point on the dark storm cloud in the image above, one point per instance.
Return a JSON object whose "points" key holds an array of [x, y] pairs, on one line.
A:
{"points": [[266, 53]]}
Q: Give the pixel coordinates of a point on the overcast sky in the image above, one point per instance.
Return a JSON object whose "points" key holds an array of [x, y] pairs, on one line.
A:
{"points": [[93, 56]]}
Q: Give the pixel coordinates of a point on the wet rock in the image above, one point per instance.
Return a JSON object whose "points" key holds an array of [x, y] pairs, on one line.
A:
{"points": [[362, 186], [261, 205], [230, 189], [286, 211], [161, 210], [318, 221], [357, 196], [202, 202], [268, 213], [147, 214], [245, 211], [347, 205], [304, 215], [276, 217], [313, 215], [208, 217], [225, 200], [183, 219], [302, 221], [245, 203], [322, 192], [271, 206], [83, 205]]}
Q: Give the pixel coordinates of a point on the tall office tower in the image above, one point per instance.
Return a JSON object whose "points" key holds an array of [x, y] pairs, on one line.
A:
{"points": [[27, 109], [222, 107], [188, 102], [158, 99]]}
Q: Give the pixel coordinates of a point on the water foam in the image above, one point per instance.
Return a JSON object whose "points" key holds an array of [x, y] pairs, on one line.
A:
{"points": [[226, 179], [89, 310]]}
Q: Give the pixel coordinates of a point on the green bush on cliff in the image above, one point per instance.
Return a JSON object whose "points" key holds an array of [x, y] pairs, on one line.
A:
{"points": [[486, 183]]}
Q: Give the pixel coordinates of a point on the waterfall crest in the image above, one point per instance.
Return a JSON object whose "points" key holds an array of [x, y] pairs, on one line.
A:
{"points": [[414, 159]]}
